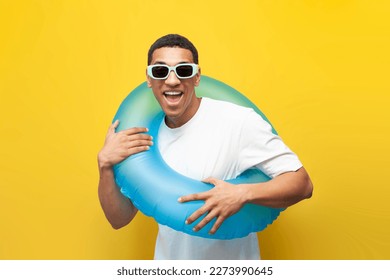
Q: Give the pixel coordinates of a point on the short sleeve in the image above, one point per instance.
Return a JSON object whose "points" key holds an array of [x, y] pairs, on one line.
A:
{"points": [[260, 148]]}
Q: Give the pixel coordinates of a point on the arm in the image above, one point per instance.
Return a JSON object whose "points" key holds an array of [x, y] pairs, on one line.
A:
{"points": [[226, 199], [118, 209], [282, 191]]}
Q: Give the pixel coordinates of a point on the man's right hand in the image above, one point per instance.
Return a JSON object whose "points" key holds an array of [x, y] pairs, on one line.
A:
{"points": [[119, 210], [118, 146]]}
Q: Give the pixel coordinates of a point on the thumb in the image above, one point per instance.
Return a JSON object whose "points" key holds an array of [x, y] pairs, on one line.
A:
{"points": [[113, 126]]}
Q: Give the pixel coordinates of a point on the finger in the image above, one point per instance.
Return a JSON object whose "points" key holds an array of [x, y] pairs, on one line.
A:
{"points": [[209, 217], [211, 180], [194, 216], [137, 150], [135, 130], [113, 126], [217, 224], [194, 196], [137, 137], [139, 143], [116, 123]]}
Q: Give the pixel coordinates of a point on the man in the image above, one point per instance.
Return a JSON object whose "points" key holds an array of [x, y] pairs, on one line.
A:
{"points": [[206, 140]]}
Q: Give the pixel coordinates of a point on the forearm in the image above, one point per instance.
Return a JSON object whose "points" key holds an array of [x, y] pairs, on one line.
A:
{"points": [[282, 191], [118, 209]]}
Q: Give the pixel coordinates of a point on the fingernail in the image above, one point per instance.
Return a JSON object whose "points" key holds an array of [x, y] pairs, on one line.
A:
{"points": [[179, 199], [195, 229], [186, 222]]}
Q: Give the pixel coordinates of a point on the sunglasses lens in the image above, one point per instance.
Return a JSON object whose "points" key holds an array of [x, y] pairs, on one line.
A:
{"points": [[160, 71], [184, 71]]}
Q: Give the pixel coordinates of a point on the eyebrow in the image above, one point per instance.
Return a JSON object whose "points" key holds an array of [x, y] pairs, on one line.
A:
{"points": [[162, 62]]}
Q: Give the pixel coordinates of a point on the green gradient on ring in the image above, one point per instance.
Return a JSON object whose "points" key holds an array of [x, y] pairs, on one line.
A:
{"points": [[154, 187]]}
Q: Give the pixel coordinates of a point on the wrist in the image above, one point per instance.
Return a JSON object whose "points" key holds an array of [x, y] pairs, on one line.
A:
{"points": [[103, 162], [247, 193]]}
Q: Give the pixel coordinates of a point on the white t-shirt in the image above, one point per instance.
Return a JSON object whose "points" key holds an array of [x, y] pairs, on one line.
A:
{"points": [[221, 140]]}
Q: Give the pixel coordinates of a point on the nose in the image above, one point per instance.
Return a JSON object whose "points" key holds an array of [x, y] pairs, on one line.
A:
{"points": [[172, 79]]}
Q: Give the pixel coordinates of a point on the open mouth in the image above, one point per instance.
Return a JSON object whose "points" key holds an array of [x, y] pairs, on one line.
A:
{"points": [[173, 96]]}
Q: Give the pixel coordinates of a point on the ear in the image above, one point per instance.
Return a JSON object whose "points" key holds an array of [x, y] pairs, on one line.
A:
{"points": [[148, 79], [197, 78]]}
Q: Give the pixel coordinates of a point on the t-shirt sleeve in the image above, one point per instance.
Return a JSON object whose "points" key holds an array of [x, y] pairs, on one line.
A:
{"points": [[260, 148]]}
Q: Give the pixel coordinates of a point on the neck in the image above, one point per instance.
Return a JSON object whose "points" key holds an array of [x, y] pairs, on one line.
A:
{"points": [[175, 122]]}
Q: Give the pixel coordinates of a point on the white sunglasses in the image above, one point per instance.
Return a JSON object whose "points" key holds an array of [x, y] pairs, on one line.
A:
{"points": [[182, 70]]}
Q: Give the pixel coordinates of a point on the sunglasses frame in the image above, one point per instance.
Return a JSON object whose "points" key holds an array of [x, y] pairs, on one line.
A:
{"points": [[195, 69]]}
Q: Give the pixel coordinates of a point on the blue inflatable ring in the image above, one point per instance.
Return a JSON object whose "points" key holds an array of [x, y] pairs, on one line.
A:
{"points": [[154, 187]]}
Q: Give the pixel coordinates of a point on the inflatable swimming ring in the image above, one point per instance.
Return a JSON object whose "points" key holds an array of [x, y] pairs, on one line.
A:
{"points": [[154, 187]]}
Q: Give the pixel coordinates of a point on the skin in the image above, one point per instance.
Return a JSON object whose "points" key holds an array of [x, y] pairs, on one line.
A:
{"points": [[225, 199], [177, 113], [118, 209], [221, 201]]}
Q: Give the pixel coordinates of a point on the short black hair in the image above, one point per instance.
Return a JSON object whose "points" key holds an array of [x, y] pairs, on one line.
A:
{"points": [[173, 40]]}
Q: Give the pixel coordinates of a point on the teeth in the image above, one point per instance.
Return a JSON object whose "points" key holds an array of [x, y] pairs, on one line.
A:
{"points": [[172, 92]]}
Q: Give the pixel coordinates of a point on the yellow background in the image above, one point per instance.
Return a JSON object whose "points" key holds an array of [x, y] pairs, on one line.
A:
{"points": [[319, 70]]}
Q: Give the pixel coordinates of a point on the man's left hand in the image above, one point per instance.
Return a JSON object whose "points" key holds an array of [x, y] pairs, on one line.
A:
{"points": [[221, 202]]}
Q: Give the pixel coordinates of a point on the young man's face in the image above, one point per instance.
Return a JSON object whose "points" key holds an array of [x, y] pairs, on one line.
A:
{"points": [[176, 96]]}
